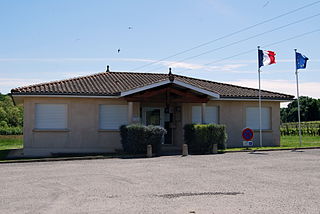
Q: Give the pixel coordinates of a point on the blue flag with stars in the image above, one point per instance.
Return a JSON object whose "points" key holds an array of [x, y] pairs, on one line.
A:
{"points": [[301, 61]]}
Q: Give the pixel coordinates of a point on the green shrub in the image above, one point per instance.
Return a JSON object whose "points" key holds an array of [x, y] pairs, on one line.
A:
{"points": [[201, 138], [124, 139], [219, 135], [189, 134], [136, 137], [5, 130], [203, 143], [155, 136], [3, 124]]}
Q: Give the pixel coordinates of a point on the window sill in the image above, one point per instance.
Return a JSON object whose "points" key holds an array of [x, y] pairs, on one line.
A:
{"points": [[51, 130], [108, 130], [263, 130]]}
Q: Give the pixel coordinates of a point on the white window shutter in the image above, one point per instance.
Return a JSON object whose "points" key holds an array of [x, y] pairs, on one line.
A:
{"points": [[51, 116], [266, 118], [113, 116], [252, 118], [196, 114], [212, 114]]}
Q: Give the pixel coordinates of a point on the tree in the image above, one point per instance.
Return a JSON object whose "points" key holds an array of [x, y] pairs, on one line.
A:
{"points": [[309, 110], [313, 110], [9, 113]]}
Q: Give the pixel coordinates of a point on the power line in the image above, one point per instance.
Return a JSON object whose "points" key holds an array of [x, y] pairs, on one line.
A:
{"points": [[290, 38], [227, 35], [255, 49], [242, 40]]}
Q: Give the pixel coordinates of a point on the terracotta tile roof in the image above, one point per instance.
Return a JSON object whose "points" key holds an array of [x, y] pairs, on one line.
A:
{"points": [[113, 83]]}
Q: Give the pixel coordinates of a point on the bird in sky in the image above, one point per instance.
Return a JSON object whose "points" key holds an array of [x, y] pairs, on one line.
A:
{"points": [[266, 4], [119, 50]]}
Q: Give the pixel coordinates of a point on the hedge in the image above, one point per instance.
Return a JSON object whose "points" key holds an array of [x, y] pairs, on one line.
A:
{"points": [[11, 130], [136, 137], [201, 138]]}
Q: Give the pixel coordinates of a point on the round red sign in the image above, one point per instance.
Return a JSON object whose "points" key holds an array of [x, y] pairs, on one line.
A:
{"points": [[247, 134]]}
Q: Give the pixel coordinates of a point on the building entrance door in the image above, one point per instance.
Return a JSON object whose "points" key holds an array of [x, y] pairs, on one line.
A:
{"points": [[153, 116]]}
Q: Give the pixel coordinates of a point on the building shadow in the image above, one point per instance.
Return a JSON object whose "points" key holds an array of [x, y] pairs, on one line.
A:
{"points": [[258, 153]]}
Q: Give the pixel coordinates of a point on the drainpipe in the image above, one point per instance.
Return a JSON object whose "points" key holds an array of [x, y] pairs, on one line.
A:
{"points": [[130, 112], [203, 113]]}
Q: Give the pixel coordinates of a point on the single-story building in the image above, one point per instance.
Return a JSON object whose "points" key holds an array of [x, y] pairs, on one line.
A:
{"points": [[83, 114]]}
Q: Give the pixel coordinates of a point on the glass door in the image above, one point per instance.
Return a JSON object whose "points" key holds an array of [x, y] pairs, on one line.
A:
{"points": [[153, 116]]}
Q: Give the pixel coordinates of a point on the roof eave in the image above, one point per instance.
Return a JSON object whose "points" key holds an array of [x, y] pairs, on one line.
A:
{"points": [[18, 98], [275, 99], [177, 82]]}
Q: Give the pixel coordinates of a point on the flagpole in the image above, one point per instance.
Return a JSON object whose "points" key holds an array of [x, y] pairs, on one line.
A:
{"points": [[260, 122], [297, 80]]}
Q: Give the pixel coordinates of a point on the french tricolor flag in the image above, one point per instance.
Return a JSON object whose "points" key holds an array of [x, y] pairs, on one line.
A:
{"points": [[266, 57]]}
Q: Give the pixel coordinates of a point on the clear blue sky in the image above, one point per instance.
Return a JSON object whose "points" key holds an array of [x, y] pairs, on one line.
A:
{"points": [[52, 40]]}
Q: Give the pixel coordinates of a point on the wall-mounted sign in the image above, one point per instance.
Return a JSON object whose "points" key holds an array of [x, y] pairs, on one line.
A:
{"points": [[247, 134], [247, 143]]}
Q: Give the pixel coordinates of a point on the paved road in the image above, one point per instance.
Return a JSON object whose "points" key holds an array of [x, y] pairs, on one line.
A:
{"points": [[266, 182]]}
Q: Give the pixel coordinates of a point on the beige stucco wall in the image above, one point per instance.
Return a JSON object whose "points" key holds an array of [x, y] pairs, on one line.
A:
{"points": [[83, 134], [233, 115]]}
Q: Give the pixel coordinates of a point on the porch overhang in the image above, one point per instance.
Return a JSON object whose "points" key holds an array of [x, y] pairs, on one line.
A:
{"points": [[168, 94], [211, 94]]}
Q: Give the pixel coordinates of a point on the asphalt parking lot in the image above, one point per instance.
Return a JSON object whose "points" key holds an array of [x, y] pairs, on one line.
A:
{"points": [[262, 182]]}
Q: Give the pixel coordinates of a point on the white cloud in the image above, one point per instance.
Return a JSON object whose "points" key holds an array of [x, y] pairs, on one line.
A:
{"points": [[78, 74], [66, 59], [193, 66], [48, 59], [17, 81], [175, 64], [6, 84], [74, 59], [221, 7], [255, 61], [282, 86], [230, 67]]}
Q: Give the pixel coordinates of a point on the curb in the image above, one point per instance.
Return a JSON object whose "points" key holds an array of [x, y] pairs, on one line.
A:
{"points": [[267, 150], [8, 161], [51, 159]]}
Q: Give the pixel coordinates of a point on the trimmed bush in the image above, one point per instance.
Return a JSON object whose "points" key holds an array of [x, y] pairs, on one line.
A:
{"points": [[189, 134], [136, 137], [11, 130], [124, 139], [219, 135], [201, 138], [155, 136]]}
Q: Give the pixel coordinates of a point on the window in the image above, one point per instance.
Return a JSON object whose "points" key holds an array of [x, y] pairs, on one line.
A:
{"points": [[252, 118], [113, 116], [196, 114], [51, 116], [211, 114]]}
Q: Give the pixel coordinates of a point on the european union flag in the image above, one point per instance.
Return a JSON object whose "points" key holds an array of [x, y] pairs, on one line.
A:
{"points": [[301, 61]]}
